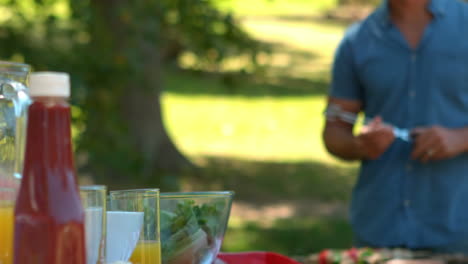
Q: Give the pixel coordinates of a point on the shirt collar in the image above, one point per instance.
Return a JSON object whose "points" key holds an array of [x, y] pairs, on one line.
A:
{"points": [[383, 14], [436, 7]]}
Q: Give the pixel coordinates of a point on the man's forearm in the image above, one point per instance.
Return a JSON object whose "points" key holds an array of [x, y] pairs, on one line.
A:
{"points": [[462, 135], [341, 142]]}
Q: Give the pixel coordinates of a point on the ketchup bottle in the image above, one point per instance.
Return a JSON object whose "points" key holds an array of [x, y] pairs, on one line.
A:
{"points": [[49, 218]]}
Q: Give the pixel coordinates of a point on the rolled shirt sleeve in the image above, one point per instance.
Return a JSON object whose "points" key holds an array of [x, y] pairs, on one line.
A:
{"points": [[345, 81]]}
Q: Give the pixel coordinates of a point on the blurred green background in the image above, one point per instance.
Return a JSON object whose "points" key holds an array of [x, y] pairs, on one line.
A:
{"points": [[203, 95]]}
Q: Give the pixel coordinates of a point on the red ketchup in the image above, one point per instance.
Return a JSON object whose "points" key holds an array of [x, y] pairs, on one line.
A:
{"points": [[49, 217]]}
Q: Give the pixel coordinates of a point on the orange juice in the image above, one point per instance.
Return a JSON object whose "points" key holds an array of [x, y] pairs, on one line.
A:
{"points": [[147, 252], [6, 234]]}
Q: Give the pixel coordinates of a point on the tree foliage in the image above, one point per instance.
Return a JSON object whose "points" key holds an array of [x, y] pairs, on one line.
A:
{"points": [[115, 51]]}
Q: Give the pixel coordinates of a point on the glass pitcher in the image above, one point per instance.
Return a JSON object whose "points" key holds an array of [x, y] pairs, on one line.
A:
{"points": [[14, 102]]}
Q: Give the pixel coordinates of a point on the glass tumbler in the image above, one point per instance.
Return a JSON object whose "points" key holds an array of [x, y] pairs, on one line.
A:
{"points": [[94, 203], [7, 208], [133, 218]]}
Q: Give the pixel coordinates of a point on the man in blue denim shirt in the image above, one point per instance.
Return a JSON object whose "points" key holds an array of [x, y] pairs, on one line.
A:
{"points": [[406, 65]]}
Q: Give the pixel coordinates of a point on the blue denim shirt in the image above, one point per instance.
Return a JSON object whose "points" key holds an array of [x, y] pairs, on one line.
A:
{"points": [[398, 201]]}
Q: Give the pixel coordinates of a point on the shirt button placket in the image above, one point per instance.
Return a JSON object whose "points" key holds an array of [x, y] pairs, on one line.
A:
{"points": [[406, 200], [407, 203], [409, 169], [411, 88]]}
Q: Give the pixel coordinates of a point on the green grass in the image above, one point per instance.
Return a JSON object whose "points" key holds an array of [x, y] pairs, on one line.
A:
{"points": [[293, 237], [255, 127], [275, 7], [268, 182], [261, 135]]}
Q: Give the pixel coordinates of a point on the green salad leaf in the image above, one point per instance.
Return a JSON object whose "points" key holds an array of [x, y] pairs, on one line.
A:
{"points": [[183, 228], [208, 219]]}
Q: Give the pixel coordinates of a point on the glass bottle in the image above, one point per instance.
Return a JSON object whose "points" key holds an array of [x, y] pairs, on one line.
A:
{"points": [[49, 217]]}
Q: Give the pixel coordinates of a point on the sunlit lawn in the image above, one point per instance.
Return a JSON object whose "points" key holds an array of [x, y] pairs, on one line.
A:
{"points": [[275, 7], [261, 136], [261, 128]]}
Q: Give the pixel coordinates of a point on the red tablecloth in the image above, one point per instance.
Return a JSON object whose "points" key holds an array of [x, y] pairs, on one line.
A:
{"points": [[255, 258]]}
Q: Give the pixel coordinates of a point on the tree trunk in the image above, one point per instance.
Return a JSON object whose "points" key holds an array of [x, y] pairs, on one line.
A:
{"points": [[143, 113], [140, 107]]}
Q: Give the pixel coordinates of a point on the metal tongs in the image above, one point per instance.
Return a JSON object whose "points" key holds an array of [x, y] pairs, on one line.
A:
{"points": [[334, 112]]}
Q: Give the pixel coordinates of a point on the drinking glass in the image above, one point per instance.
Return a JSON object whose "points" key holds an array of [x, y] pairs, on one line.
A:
{"points": [[7, 201], [94, 203], [14, 102], [134, 218]]}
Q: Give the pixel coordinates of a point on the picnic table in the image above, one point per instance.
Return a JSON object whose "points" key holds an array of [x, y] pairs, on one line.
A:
{"points": [[378, 256], [349, 256]]}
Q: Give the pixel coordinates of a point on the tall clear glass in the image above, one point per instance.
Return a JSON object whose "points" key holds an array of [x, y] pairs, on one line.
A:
{"points": [[94, 203], [14, 102], [7, 200], [139, 210]]}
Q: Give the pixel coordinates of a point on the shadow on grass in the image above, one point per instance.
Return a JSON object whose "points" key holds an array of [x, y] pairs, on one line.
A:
{"points": [[265, 182], [291, 236], [196, 83], [257, 182]]}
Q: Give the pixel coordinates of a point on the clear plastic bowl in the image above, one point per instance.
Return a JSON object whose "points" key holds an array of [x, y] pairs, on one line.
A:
{"points": [[193, 225]]}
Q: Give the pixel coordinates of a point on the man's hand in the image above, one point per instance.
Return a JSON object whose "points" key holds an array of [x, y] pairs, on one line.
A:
{"points": [[437, 143], [374, 139]]}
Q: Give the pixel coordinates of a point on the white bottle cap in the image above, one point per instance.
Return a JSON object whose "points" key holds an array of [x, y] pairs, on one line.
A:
{"points": [[54, 84]]}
